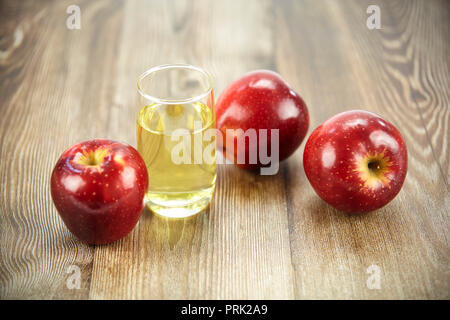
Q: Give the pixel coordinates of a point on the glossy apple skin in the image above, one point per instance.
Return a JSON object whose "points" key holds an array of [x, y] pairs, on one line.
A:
{"points": [[261, 99], [100, 205], [334, 150]]}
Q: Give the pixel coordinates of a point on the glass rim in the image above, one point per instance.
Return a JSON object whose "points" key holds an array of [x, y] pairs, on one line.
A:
{"points": [[174, 66]]}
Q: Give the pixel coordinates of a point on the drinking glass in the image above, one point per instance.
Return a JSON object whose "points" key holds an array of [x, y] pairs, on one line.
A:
{"points": [[176, 136]]}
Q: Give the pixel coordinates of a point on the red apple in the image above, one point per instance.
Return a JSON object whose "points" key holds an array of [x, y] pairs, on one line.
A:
{"points": [[356, 161], [261, 100], [98, 187]]}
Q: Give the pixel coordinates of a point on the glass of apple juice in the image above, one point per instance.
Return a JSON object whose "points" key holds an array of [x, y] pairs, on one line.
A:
{"points": [[176, 136]]}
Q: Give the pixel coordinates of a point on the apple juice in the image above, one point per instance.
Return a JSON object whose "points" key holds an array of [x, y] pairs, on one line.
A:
{"points": [[178, 188]]}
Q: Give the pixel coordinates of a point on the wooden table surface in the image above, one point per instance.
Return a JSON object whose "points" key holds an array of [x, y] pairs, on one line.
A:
{"points": [[267, 237]]}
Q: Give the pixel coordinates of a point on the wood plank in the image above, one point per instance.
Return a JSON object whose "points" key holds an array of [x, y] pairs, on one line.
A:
{"points": [[327, 52], [39, 102], [229, 251], [430, 80]]}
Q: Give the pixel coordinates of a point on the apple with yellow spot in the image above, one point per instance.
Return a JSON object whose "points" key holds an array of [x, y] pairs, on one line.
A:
{"points": [[356, 161], [98, 187]]}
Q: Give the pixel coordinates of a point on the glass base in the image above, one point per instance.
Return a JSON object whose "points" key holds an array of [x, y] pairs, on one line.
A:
{"points": [[179, 204]]}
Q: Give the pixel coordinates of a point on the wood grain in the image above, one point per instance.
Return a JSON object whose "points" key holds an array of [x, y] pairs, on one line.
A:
{"points": [[263, 237], [410, 234], [211, 256]]}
